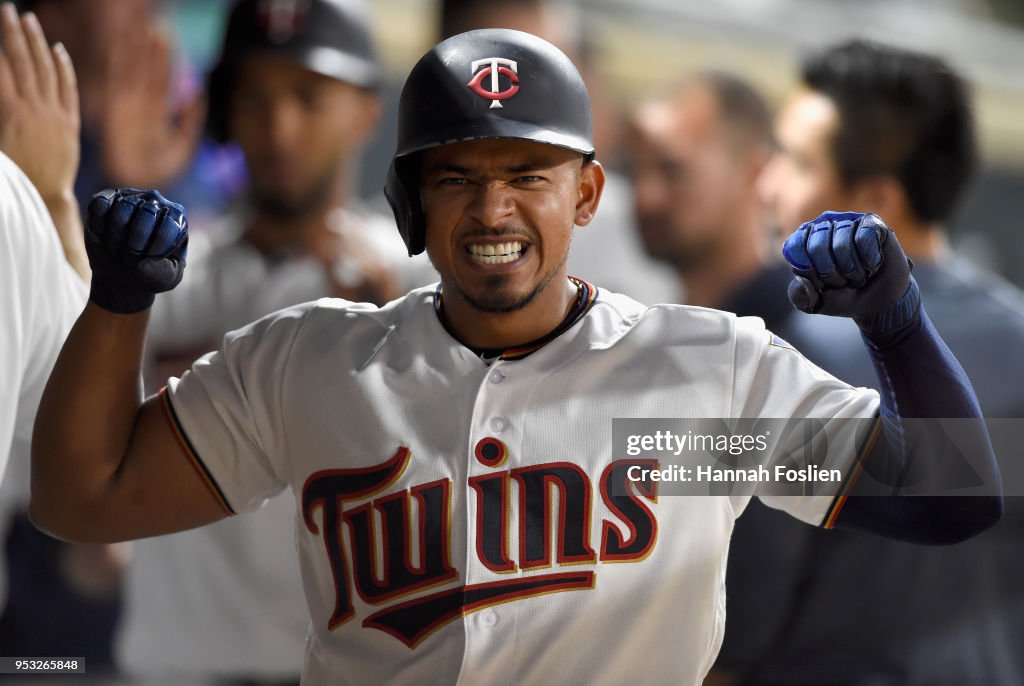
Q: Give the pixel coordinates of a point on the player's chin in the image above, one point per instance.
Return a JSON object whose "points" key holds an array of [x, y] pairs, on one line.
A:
{"points": [[500, 294]]}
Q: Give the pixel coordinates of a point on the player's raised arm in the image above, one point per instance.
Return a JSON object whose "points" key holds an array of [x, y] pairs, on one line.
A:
{"points": [[851, 265], [106, 465]]}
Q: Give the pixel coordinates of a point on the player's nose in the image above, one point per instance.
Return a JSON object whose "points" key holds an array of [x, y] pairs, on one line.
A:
{"points": [[492, 204]]}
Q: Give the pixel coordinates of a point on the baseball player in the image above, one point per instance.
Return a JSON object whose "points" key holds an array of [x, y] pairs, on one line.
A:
{"points": [[450, 451]]}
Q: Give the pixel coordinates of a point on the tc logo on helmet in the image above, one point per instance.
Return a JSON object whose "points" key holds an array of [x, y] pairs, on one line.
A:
{"points": [[494, 67]]}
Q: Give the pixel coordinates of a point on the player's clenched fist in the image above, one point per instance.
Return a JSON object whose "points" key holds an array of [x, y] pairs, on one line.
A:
{"points": [[137, 241], [847, 264]]}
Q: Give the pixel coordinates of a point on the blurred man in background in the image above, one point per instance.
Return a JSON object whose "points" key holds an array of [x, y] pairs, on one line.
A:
{"points": [[608, 251], [295, 89], [696, 153], [880, 129]]}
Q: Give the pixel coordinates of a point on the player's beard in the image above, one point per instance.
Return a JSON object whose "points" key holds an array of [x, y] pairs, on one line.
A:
{"points": [[497, 299]]}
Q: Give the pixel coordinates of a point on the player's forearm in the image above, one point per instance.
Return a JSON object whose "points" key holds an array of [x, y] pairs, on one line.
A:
{"points": [[851, 265], [935, 430], [86, 417]]}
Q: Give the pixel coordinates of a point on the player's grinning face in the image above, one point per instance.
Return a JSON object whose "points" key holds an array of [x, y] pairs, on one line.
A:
{"points": [[499, 218]]}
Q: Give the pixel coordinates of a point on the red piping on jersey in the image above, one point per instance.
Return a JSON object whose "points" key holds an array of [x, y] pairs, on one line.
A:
{"points": [[858, 467], [190, 453]]}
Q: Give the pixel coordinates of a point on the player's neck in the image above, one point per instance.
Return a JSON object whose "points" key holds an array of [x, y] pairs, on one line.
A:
{"points": [[493, 330]]}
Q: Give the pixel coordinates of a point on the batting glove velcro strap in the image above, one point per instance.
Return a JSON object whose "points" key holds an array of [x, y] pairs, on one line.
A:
{"points": [[137, 241], [846, 264]]}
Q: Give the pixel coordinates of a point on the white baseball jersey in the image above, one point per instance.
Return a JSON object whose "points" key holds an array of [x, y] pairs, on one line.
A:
{"points": [[40, 298], [227, 599], [460, 522]]}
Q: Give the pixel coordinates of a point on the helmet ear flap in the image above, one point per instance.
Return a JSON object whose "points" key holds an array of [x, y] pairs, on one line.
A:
{"points": [[401, 188]]}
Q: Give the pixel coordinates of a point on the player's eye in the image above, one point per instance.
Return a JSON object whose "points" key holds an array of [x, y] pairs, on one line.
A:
{"points": [[452, 181], [528, 179]]}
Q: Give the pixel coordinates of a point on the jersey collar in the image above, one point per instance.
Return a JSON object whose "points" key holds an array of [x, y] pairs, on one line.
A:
{"points": [[586, 295]]}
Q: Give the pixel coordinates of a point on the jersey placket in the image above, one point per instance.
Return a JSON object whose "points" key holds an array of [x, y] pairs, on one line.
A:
{"points": [[495, 446]]}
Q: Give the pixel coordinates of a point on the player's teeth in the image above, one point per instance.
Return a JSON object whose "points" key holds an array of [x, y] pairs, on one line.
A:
{"points": [[500, 253]]}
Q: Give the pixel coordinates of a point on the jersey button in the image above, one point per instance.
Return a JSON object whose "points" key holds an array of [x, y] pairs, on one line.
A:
{"points": [[498, 424], [488, 618], [497, 376]]}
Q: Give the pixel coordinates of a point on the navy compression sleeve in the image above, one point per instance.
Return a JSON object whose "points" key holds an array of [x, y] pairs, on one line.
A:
{"points": [[919, 379]]}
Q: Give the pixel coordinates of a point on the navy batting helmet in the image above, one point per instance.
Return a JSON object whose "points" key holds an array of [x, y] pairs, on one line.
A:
{"points": [[329, 37], [492, 83]]}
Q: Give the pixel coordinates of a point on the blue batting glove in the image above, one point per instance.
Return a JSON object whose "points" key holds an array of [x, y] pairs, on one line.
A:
{"points": [[136, 241], [851, 265]]}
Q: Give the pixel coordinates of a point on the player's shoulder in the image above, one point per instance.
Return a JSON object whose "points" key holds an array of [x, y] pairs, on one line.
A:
{"points": [[336, 314], [341, 318], [677, 324]]}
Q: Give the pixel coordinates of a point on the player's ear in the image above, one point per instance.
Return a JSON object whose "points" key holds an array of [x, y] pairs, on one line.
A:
{"points": [[590, 189]]}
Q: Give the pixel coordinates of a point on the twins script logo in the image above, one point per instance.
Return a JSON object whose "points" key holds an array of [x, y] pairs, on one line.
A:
{"points": [[494, 67], [398, 551]]}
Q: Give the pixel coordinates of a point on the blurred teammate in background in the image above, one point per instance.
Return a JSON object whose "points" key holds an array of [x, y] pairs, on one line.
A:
{"points": [[294, 88], [696, 153], [857, 609]]}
